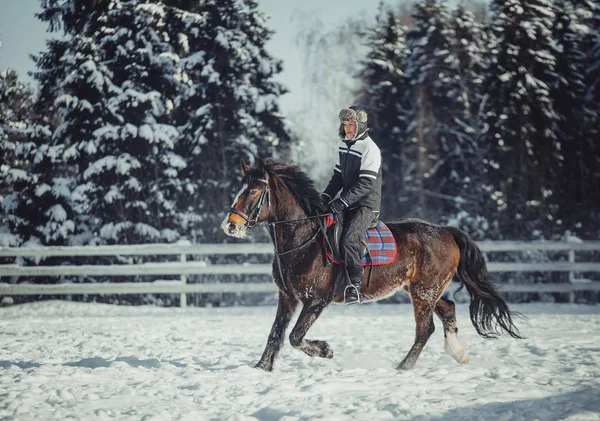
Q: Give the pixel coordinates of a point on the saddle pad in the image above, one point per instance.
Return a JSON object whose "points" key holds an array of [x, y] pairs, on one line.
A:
{"points": [[381, 244]]}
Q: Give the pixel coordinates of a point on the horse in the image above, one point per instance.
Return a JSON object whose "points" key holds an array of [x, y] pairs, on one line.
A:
{"points": [[284, 198]]}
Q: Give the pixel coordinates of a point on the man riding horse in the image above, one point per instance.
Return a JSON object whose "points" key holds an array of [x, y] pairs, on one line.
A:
{"points": [[357, 174], [426, 259]]}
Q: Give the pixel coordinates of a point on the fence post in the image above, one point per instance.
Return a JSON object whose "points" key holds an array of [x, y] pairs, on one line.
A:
{"points": [[571, 276], [183, 296]]}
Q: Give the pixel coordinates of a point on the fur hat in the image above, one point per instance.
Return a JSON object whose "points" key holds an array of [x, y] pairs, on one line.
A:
{"points": [[356, 114]]}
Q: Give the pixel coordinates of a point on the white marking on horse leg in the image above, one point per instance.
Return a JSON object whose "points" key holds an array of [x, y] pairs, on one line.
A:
{"points": [[456, 348]]}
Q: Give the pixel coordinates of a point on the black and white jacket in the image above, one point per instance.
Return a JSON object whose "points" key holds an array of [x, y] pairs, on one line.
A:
{"points": [[357, 173]]}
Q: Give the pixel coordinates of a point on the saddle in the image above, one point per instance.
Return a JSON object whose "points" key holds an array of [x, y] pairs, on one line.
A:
{"points": [[378, 249]]}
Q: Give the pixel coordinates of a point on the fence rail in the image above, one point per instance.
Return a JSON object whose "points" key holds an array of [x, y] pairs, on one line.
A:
{"points": [[183, 268]]}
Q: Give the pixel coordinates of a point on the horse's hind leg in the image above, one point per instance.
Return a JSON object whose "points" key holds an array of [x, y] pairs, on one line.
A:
{"points": [[309, 314], [444, 308], [285, 310], [424, 319]]}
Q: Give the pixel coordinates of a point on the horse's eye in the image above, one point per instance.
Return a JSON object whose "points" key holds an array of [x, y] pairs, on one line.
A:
{"points": [[253, 192]]}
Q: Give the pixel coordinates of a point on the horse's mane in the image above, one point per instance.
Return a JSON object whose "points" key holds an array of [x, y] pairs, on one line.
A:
{"points": [[298, 183]]}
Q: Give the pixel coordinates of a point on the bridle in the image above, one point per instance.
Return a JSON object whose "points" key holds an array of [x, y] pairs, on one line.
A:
{"points": [[254, 213], [252, 221]]}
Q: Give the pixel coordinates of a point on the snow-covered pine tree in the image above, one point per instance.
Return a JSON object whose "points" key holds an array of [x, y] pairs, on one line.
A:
{"points": [[470, 49], [36, 199], [15, 112], [228, 109], [467, 169], [116, 103], [439, 120], [383, 94], [591, 157], [49, 72], [593, 72], [67, 18], [523, 152], [573, 36], [70, 16], [39, 210], [14, 102]]}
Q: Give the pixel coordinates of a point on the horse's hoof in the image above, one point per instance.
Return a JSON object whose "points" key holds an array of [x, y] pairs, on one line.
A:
{"points": [[264, 367], [461, 357], [404, 366], [456, 349], [325, 349]]}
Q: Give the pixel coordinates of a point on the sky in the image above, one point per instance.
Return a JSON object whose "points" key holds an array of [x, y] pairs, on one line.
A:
{"points": [[22, 34]]}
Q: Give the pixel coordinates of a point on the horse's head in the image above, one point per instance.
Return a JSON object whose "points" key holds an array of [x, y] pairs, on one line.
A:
{"points": [[252, 202]]}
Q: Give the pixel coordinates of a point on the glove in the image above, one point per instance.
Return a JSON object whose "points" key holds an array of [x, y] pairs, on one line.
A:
{"points": [[337, 206], [325, 199]]}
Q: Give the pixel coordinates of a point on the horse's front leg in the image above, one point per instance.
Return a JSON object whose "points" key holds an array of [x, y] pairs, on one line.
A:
{"points": [[310, 313], [285, 310]]}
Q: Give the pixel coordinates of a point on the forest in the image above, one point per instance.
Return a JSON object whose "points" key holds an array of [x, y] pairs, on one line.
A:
{"points": [[487, 116]]}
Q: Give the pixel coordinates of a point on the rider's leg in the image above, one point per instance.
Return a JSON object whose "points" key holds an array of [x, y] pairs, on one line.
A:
{"points": [[356, 222]]}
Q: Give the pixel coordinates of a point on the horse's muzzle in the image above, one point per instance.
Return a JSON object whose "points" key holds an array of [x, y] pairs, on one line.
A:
{"points": [[232, 229]]}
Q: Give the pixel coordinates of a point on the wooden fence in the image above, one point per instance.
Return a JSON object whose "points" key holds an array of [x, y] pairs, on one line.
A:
{"points": [[183, 268]]}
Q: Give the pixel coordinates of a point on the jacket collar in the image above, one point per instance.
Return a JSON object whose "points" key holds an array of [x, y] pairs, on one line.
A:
{"points": [[362, 136]]}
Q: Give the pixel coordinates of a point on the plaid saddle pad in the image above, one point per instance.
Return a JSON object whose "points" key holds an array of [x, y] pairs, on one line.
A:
{"points": [[381, 244]]}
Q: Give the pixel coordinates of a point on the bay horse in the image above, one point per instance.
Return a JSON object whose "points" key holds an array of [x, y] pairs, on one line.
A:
{"points": [[284, 198]]}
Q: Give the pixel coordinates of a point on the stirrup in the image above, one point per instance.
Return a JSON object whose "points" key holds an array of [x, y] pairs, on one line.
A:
{"points": [[357, 301]]}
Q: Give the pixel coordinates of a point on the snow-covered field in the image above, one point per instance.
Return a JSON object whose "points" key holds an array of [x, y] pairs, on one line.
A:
{"points": [[72, 361]]}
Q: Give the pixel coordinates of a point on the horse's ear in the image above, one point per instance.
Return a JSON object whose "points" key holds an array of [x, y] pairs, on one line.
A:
{"points": [[261, 166], [245, 167]]}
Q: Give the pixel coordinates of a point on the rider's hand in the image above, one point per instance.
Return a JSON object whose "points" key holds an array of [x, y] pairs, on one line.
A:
{"points": [[325, 199], [337, 206]]}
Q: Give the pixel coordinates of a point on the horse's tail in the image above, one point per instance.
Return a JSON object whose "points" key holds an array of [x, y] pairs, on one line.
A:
{"points": [[489, 311]]}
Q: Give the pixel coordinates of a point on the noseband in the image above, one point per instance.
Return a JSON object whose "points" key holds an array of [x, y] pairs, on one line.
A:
{"points": [[252, 217]]}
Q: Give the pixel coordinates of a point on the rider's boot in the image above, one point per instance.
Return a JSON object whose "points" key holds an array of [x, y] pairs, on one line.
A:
{"points": [[352, 292]]}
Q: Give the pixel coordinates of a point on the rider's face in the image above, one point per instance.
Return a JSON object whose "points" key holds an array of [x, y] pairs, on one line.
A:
{"points": [[349, 128]]}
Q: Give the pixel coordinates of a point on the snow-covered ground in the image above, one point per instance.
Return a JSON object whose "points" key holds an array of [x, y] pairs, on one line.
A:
{"points": [[73, 361]]}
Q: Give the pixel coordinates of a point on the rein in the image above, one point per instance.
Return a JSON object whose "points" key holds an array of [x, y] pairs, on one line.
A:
{"points": [[278, 254], [295, 220], [252, 221], [304, 244]]}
